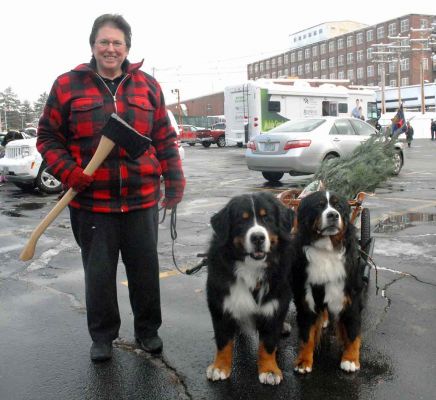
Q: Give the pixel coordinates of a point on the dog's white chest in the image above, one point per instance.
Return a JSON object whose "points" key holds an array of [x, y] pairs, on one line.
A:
{"points": [[240, 302], [325, 268]]}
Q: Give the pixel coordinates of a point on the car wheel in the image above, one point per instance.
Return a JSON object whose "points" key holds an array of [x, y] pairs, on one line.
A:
{"points": [[398, 162], [27, 187], [206, 144], [273, 176], [191, 144], [46, 182], [221, 142], [329, 156]]}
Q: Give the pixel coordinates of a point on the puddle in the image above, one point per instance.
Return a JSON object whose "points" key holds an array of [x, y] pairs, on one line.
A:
{"points": [[396, 223], [16, 211]]}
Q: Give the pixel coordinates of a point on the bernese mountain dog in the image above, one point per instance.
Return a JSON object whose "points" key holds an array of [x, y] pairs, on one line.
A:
{"points": [[326, 279], [248, 286]]}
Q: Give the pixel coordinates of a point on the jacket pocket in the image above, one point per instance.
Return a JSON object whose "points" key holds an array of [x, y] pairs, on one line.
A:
{"points": [[86, 117], [140, 114]]}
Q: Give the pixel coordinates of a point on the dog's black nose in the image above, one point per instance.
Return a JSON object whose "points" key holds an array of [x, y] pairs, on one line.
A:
{"points": [[257, 238], [332, 216]]}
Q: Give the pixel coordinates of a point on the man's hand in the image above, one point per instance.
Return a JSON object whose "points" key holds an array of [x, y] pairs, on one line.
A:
{"points": [[78, 180], [170, 203]]}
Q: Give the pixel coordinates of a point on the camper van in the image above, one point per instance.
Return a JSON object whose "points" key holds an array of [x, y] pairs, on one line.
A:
{"points": [[258, 106]]}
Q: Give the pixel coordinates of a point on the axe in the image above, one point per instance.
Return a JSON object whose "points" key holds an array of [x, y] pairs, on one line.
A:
{"points": [[115, 132]]}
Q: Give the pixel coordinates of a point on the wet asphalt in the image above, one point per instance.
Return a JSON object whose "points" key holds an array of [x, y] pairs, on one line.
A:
{"points": [[44, 344]]}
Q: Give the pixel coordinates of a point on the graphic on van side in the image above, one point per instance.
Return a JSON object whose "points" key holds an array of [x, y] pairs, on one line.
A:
{"points": [[270, 112]]}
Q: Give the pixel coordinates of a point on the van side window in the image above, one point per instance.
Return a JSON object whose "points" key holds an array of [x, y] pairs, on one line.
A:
{"points": [[274, 106], [343, 108]]}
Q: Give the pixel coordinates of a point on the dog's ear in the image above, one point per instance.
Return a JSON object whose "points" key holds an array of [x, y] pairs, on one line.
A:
{"points": [[286, 221], [221, 224]]}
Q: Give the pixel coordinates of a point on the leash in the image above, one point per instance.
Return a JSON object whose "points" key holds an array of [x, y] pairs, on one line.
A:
{"points": [[173, 232]]}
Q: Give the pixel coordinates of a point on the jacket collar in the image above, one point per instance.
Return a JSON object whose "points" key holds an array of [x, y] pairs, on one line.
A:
{"points": [[127, 66]]}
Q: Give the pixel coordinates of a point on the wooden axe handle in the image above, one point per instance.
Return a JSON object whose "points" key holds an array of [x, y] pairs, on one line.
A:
{"points": [[104, 148]]}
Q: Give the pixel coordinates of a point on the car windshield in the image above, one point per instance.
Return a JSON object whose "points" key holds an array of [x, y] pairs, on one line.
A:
{"points": [[298, 125]]}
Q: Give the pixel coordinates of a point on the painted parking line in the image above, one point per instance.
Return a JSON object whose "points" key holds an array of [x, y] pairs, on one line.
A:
{"points": [[162, 275]]}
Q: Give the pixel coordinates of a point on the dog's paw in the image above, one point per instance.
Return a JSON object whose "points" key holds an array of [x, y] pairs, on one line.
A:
{"points": [[217, 374], [303, 367], [350, 366], [270, 378]]}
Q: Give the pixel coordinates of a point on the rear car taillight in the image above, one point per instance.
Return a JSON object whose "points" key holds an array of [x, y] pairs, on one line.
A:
{"points": [[295, 144], [251, 145]]}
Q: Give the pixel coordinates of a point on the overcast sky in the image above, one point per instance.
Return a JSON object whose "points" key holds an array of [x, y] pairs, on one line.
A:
{"points": [[198, 47]]}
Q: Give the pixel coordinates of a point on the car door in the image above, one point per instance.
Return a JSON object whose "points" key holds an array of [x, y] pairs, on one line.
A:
{"points": [[343, 136]]}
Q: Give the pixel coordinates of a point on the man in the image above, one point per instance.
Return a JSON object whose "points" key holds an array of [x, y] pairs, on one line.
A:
{"points": [[115, 211], [433, 129], [356, 112]]}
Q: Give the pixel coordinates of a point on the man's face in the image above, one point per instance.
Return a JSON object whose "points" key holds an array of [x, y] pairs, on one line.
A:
{"points": [[109, 51]]}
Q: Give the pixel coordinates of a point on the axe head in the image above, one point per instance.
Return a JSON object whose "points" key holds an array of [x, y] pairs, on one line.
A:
{"points": [[125, 136]]}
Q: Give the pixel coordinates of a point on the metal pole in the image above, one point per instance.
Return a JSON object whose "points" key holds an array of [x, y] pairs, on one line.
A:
{"points": [[399, 80], [383, 100], [422, 86]]}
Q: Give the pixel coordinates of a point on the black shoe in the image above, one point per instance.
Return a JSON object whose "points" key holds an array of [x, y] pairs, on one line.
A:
{"points": [[101, 351], [151, 344]]}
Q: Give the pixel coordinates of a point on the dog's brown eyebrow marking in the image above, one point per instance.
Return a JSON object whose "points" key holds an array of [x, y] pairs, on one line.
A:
{"points": [[245, 215], [262, 212]]}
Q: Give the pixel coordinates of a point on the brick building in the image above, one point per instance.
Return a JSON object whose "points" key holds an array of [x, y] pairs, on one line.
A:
{"points": [[353, 55]]}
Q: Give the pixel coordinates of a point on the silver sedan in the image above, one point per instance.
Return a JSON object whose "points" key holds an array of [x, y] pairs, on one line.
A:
{"points": [[300, 146]]}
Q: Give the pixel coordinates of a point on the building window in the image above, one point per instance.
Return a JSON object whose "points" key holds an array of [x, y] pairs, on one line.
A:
{"points": [[349, 41], [359, 56], [250, 69], [256, 68], [341, 74], [392, 29], [315, 66], [314, 51], [369, 53], [393, 82], [273, 63], [292, 57], [323, 64], [392, 67], [341, 59], [369, 35], [359, 38], [331, 62], [405, 81], [267, 64], [300, 55], [370, 71], [405, 64], [340, 44], [380, 32], [331, 46], [332, 75], [404, 25], [424, 24], [274, 75], [286, 72], [350, 58], [293, 70], [350, 74], [379, 69], [261, 67], [279, 73], [279, 61], [323, 48], [359, 73], [300, 70], [323, 76], [307, 53], [307, 68], [286, 61]]}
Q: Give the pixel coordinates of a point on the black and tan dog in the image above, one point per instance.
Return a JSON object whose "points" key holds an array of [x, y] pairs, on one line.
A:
{"points": [[248, 280], [326, 278]]}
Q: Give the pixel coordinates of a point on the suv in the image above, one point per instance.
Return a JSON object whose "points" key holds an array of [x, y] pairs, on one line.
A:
{"points": [[23, 166]]}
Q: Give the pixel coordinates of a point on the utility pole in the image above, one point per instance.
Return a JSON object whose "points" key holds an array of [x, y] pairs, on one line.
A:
{"points": [[382, 53], [398, 48], [425, 46], [178, 105]]}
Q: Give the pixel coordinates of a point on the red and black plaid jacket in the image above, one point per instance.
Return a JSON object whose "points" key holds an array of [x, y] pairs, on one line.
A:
{"points": [[77, 109]]}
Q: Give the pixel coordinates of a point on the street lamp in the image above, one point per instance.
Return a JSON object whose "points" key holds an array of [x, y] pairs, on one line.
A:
{"points": [[178, 104]]}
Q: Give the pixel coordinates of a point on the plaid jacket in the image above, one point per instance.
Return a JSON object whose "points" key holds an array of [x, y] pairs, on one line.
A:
{"points": [[77, 109]]}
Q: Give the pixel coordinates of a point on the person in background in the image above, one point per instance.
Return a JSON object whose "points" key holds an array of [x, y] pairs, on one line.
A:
{"points": [[433, 129], [116, 210], [409, 134], [356, 112], [361, 116]]}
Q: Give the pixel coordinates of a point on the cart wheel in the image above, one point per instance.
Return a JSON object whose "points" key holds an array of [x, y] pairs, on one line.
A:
{"points": [[365, 241]]}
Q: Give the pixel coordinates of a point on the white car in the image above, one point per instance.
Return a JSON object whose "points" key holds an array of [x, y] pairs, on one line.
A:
{"points": [[23, 166]]}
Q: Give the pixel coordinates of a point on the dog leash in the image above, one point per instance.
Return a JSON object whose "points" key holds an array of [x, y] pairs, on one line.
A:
{"points": [[173, 233]]}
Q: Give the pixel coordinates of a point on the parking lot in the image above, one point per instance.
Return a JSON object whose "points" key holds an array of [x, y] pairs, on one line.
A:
{"points": [[44, 342]]}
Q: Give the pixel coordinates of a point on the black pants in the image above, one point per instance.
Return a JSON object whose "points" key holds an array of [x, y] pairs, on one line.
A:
{"points": [[102, 237]]}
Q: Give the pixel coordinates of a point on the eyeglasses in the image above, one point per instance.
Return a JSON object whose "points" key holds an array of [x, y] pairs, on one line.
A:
{"points": [[106, 43]]}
